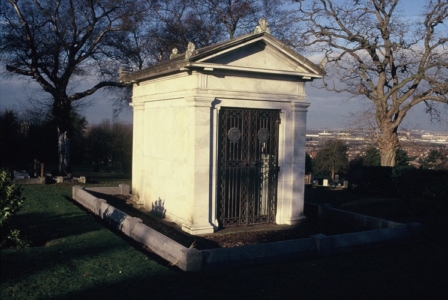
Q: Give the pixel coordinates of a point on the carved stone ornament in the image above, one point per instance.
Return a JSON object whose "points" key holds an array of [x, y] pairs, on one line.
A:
{"points": [[190, 50], [263, 135], [262, 26], [234, 134], [174, 52]]}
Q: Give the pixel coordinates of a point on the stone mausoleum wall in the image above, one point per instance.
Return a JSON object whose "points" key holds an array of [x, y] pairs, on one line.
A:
{"points": [[176, 109]]}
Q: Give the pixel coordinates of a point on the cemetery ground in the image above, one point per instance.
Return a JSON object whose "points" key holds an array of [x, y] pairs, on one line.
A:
{"points": [[73, 255]]}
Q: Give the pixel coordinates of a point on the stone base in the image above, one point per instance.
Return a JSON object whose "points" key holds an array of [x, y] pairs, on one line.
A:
{"points": [[295, 221], [198, 229]]}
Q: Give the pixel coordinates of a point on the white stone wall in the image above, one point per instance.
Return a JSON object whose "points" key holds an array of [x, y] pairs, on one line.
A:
{"points": [[175, 138]]}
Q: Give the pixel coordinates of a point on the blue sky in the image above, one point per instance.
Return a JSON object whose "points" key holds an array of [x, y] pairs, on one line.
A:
{"points": [[327, 110]]}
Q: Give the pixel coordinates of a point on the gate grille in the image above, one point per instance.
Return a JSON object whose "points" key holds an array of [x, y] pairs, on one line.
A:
{"points": [[248, 166]]}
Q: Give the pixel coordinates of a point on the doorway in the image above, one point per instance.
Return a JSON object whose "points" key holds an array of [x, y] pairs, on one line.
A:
{"points": [[248, 166]]}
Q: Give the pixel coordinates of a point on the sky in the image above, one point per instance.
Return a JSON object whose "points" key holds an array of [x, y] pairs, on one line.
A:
{"points": [[327, 110]]}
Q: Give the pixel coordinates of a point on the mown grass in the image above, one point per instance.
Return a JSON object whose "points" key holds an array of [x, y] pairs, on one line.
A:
{"points": [[74, 256]]}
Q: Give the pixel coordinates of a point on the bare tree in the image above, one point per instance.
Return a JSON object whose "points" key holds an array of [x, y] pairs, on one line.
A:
{"points": [[232, 14], [178, 22], [173, 23], [373, 52], [55, 42], [331, 159], [236, 17]]}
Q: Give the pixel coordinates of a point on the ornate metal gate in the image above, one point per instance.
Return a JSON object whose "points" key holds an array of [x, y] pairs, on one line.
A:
{"points": [[248, 165]]}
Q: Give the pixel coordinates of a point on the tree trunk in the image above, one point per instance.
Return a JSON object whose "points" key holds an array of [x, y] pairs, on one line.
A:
{"points": [[388, 143]]}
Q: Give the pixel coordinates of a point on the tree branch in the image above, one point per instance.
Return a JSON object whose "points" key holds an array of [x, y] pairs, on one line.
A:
{"points": [[92, 90]]}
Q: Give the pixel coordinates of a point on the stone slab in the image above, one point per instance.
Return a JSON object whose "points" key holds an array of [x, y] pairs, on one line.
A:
{"points": [[122, 189]]}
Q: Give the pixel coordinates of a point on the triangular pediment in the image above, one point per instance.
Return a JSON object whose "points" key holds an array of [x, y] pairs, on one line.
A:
{"points": [[260, 56], [258, 53]]}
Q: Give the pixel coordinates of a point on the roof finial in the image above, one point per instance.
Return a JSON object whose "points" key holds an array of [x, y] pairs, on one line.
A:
{"points": [[190, 50], [174, 52], [262, 26]]}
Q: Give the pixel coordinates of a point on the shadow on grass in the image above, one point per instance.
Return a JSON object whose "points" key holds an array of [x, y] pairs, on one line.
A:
{"points": [[18, 265], [400, 273], [66, 249], [40, 228]]}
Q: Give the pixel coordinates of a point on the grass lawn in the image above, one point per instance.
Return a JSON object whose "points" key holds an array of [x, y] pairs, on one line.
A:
{"points": [[73, 256]]}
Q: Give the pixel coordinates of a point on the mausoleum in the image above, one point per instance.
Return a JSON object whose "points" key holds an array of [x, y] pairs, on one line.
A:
{"points": [[219, 134]]}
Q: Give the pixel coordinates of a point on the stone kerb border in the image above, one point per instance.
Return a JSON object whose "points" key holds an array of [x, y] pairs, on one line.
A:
{"points": [[379, 233], [326, 211], [185, 258]]}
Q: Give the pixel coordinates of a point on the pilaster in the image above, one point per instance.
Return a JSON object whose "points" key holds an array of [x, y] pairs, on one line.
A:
{"points": [[294, 205], [203, 167]]}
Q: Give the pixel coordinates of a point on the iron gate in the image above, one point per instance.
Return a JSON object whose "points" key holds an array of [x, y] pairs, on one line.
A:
{"points": [[248, 166]]}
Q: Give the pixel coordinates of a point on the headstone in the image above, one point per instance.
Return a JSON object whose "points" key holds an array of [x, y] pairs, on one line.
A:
{"points": [[325, 182], [308, 179]]}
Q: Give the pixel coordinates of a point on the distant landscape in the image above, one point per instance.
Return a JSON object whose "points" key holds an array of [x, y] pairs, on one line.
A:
{"points": [[417, 143]]}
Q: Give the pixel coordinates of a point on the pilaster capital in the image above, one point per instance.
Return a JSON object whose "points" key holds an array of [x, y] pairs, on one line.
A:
{"points": [[200, 101], [299, 106], [137, 105]]}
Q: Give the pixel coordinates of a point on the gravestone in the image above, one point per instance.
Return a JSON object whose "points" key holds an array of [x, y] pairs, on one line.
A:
{"points": [[219, 133]]}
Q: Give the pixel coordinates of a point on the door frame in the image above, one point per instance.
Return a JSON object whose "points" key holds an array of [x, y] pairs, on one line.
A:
{"points": [[247, 180]]}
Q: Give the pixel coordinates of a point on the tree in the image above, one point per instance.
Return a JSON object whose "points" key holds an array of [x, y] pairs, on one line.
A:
{"points": [[11, 201], [331, 159], [11, 140], [437, 159], [237, 17], [56, 42], [232, 13], [402, 159], [370, 158], [109, 144], [29, 137], [373, 52], [308, 164]]}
